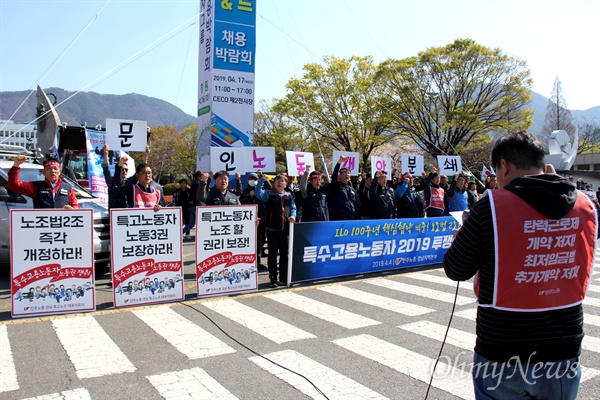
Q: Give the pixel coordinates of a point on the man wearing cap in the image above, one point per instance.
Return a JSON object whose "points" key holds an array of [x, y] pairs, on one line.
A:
{"points": [[219, 195], [52, 192], [408, 203], [382, 198], [343, 201], [314, 197]]}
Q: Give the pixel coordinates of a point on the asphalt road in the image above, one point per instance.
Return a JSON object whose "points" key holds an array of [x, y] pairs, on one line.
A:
{"points": [[367, 337]]}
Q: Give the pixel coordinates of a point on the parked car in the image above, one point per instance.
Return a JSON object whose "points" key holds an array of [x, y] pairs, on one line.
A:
{"points": [[10, 200]]}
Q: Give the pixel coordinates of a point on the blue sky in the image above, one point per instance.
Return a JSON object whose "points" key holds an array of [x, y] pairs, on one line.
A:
{"points": [[151, 47]]}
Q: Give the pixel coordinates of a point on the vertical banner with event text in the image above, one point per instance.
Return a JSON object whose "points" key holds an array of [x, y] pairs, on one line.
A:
{"points": [[225, 76], [52, 261], [146, 256], [226, 250]]}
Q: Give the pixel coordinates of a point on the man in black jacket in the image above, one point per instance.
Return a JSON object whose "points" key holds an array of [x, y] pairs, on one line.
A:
{"points": [[248, 197], [530, 244], [344, 202], [115, 183], [382, 198], [314, 197], [219, 195]]}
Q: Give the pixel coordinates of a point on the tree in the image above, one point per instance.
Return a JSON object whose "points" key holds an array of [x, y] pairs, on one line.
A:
{"points": [[185, 154], [446, 96], [274, 129], [164, 142], [339, 101], [558, 117], [589, 138]]}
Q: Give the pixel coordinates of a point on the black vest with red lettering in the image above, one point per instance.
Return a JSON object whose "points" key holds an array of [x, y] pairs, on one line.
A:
{"points": [[45, 199]]}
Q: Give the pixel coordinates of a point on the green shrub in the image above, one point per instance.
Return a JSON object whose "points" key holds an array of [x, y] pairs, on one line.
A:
{"points": [[170, 188]]}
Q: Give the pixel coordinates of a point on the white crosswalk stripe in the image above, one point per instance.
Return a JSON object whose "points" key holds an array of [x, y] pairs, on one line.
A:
{"points": [[75, 394], [90, 349], [265, 325], [466, 341], [330, 382], [594, 288], [591, 301], [591, 319], [93, 353], [409, 363], [183, 334], [458, 338], [440, 280], [469, 313], [420, 291], [322, 310], [8, 374], [591, 343], [376, 300], [192, 383]]}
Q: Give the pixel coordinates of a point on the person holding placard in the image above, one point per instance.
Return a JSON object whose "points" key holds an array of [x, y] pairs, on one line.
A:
{"points": [[218, 195], [52, 192], [436, 199], [344, 202], [142, 194], [115, 183], [382, 198], [409, 204], [281, 211], [314, 197]]}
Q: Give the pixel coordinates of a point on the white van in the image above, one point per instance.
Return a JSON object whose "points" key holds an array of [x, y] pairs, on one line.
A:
{"points": [[10, 200]]}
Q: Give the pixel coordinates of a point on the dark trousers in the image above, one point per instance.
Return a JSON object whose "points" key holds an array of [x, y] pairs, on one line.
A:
{"points": [[277, 242], [261, 232]]}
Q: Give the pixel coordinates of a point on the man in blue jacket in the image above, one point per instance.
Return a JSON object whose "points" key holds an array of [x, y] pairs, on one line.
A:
{"points": [[281, 211]]}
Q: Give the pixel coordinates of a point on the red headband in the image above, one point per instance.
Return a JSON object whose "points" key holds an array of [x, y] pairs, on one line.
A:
{"points": [[51, 163], [314, 176]]}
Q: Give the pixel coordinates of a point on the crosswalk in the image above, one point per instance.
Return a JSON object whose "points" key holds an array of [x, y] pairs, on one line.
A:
{"points": [[376, 338]]}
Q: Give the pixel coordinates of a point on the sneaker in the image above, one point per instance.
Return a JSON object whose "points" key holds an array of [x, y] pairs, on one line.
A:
{"points": [[273, 285], [187, 237], [262, 267], [280, 283]]}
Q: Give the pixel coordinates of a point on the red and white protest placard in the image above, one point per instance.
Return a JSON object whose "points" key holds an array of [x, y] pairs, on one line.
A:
{"points": [[226, 250], [146, 256], [297, 162], [52, 261]]}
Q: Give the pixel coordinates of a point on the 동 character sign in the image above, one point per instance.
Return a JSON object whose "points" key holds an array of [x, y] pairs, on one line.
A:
{"points": [[52, 261]]}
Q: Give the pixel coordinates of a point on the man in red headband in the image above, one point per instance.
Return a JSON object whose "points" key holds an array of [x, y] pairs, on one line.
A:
{"points": [[314, 197], [52, 192]]}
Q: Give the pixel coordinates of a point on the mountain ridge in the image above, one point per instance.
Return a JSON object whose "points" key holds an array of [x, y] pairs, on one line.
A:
{"points": [[93, 108]]}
